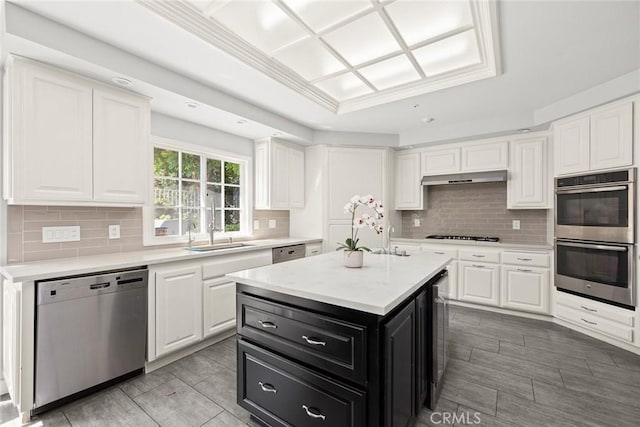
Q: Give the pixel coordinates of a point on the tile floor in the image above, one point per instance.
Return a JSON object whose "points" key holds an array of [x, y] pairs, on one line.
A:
{"points": [[503, 371]]}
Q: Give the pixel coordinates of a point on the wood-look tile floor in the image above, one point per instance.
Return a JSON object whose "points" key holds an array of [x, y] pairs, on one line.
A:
{"points": [[503, 371]]}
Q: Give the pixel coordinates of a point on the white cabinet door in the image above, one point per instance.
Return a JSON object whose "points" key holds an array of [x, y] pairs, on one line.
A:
{"points": [[528, 182], [262, 175], [51, 136], [312, 249], [280, 173], [296, 181], [485, 156], [525, 288], [120, 146], [219, 306], [453, 280], [408, 187], [178, 308], [611, 137], [571, 146], [354, 171], [437, 162], [479, 282]]}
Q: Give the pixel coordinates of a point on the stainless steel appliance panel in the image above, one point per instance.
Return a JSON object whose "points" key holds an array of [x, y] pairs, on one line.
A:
{"points": [[89, 330], [288, 253], [601, 270], [440, 335]]}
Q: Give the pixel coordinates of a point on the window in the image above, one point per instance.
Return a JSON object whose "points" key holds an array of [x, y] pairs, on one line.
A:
{"points": [[189, 185]]}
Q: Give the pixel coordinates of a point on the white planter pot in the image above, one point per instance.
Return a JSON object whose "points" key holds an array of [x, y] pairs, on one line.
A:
{"points": [[353, 259]]}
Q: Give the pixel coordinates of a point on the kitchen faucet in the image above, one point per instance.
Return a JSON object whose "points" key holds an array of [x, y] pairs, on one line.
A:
{"points": [[212, 224]]}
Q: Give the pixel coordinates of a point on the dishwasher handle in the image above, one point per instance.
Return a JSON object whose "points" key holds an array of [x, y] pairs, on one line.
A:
{"points": [[98, 286]]}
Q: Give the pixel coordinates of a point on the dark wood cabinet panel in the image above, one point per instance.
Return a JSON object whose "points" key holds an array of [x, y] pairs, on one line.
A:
{"points": [[399, 341], [423, 356]]}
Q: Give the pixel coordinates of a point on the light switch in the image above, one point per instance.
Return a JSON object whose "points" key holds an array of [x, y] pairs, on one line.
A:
{"points": [[272, 223], [60, 234], [516, 224], [416, 222], [256, 224], [114, 231]]}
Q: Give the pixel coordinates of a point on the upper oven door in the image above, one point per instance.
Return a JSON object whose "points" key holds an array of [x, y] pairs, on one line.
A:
{"points": [[603, 213]]}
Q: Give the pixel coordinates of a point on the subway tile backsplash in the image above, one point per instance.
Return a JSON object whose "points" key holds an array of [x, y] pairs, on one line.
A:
{"points": [[24, 231], [475, 210]]}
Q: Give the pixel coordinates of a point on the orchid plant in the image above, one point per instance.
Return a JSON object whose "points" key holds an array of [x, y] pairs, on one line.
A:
{"points": [[365, 220]]}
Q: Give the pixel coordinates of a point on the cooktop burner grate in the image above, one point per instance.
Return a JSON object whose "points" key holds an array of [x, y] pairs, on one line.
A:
{"points": [[472, 238]]}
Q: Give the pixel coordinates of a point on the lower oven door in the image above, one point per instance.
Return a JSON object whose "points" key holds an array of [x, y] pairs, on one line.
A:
{"points": [[601, 270]]}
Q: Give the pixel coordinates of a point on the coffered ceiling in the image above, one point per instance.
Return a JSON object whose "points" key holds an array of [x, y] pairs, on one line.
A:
{"points": [[347, 55]]}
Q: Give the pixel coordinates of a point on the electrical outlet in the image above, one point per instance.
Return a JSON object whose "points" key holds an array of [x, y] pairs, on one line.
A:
{"points": [[515, 224], [60, 234], [416, 222], [114, 232], [256, 224], [272, 223]]}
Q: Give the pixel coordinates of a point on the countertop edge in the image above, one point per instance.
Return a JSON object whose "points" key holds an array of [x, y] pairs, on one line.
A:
{"points": [[497, 245]]}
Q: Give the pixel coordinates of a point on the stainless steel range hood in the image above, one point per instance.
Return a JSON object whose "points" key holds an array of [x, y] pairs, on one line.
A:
{"points": [[465, 178]]}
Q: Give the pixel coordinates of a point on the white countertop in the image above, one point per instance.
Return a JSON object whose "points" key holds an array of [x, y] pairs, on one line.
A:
{"points": [[378, 287], [90, 264], [499, 245]]}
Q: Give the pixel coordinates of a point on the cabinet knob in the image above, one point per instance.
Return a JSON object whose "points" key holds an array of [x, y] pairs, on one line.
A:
{"points": [[586, 321], [477, 266], [268, 324], [478, 256], [313, 341], [524, 270], [313, 414], [266, 387], [525, 259], [589, 309]]}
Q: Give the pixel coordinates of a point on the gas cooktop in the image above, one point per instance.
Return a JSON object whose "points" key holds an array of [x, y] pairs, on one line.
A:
{"points": [[473, 238]]}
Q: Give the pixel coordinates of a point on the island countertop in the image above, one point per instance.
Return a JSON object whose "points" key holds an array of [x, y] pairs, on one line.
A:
{"points": [[378, 287]]}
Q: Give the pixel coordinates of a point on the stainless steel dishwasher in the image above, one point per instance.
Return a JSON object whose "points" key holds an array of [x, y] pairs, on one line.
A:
{"points": [[288, 253], [89, 330]]}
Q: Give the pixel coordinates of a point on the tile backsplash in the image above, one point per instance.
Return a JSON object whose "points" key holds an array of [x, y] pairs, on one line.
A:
{"points": [[475, 210], [24, 230]]}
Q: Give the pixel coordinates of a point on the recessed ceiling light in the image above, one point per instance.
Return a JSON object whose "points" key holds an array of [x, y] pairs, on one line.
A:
{"points": [[191, 104], [524, 130], [427, 119], [241, 121], [276, 134], [121, 81], [416, 105]]}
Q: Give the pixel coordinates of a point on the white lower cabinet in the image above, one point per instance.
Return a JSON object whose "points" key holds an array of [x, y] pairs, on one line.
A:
{"points": [[525, 288], [178, 321], [453, 280], [479, 282], [219, 303]]}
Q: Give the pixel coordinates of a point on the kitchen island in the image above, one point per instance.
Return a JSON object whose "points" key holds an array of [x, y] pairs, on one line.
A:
{"points": [[322, 344]]}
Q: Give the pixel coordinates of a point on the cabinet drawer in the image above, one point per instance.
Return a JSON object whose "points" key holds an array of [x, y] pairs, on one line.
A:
{"points": [[597, 309], [439, 250], [332, 345], [536, 259], [221, 265], [481, 255], [595, 323], [286, 394]]}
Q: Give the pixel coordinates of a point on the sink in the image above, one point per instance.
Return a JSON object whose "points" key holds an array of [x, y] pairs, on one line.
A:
{"points": [[206, 248]]}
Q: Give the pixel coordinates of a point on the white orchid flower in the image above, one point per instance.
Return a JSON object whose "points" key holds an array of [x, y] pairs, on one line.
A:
{"points": [[348, 208], [359, 223], [355, 199]]}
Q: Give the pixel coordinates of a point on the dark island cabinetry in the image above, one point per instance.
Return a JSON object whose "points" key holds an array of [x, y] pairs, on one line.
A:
{"points": [[306, 363]]}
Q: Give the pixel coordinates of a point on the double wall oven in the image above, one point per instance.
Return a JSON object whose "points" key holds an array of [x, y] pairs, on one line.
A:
{"points": [[595, 236]]}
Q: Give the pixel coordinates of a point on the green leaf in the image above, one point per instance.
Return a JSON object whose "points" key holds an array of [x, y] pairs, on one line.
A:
{"points": [[364, 248]]}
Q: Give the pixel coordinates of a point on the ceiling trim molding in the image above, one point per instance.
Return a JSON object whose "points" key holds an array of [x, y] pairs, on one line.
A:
{"points": [[189, 18]]}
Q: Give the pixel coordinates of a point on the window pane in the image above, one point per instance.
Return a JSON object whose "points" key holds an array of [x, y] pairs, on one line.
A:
{"points": [[165, 162], [190, 194], [231, 220], [165, 192], [190, 217], [231, 173], [218, 218], [166, 222], [190, 166], [231, 197], [214, 173], [215, 192]]}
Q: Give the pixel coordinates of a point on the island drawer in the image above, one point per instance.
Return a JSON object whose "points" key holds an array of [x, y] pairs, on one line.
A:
{"points": [[332, 345], [286, 394]]}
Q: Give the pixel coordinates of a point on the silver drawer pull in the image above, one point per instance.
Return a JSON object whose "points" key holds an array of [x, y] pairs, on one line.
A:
{"points": [[439, 253], [525, 259], [267, 387], [478, 256], [586, 321], [477, 266], [268, 324], [524, 270], [589, 309], [312, 341], [312, 414]]}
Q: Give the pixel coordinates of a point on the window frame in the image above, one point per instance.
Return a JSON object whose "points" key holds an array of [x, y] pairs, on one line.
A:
{"points": [[246, 192]]}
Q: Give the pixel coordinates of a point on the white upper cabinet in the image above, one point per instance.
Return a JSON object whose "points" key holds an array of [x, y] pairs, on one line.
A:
{"points": [[484, 156], [409, 190], [601, 139], [71, 140], [466, 157], [279, 175], [443, 161], [120, 143], [528, 184], [48, 125]]}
